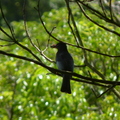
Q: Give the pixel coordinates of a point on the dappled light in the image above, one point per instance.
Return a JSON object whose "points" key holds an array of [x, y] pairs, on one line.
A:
{"points": [[30, 81]]}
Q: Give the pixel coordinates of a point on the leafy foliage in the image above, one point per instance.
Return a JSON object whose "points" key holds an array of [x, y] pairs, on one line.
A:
{"points": [[14, 10], [30, 92]]}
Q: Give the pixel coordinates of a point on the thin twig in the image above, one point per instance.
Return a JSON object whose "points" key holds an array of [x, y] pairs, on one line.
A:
{"points": [[79, 78], [81, 43], [13, 37], [107, 29], [27, 49], [10, 28], [103, 9], [7, 45], [26, 28], [5, 40], [69, 16], [6, 34], [48, 40], [99, 14], [107, 55], [111, 12], [110, 88], [43, 24], [107, 82]]}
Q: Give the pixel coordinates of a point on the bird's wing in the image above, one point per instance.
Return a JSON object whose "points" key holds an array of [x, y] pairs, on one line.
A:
{"points": [[64, 61]]}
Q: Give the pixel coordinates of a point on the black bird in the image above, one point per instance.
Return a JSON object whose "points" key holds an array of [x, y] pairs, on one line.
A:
{"points": [[65, 62]]}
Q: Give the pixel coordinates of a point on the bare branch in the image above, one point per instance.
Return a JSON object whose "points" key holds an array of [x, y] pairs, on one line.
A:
{"points": [[10, 28], [108, 20], [47, 31], [103, 82]]}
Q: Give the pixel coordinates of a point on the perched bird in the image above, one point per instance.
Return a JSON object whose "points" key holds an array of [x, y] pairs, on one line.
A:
{"points": [[65, 62]]}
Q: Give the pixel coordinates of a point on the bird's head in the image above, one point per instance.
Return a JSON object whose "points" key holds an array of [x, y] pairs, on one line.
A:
{"points": [[59, 46]]}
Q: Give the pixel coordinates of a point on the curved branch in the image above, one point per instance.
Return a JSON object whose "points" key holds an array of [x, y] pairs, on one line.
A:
{"points": [[58, 72], [105, 28], [99, 14]]}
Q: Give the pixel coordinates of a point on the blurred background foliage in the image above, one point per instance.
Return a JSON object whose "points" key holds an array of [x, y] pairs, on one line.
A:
{"points": [[14, 10], [30, 92]]}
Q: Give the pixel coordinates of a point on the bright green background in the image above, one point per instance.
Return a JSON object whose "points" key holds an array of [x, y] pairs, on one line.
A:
{"points": [[31, 93]]}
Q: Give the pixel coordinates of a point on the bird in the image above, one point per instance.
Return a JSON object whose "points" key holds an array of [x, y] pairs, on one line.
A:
{"points": [[64, 62]]}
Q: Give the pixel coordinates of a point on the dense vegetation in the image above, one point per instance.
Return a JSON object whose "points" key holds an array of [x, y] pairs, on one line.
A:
{"points": [[14, 10], [30, 92]]}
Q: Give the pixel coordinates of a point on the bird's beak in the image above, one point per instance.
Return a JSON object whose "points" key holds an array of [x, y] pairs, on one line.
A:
{"points": [[53, 46]]}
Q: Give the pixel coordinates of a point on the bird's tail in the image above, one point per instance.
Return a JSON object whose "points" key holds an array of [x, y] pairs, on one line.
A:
{"points": [[66, 84]]}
